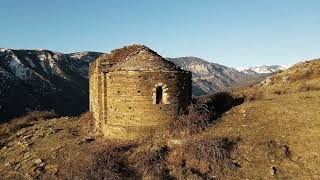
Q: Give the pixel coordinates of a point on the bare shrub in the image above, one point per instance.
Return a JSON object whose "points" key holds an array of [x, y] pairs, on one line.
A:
{"points": [[254, 95], [151, 161], [110, 162], [208, 156], [278, 92], [203, 111], [278, 150], [87, 118], [196, 120], [217, 103]]}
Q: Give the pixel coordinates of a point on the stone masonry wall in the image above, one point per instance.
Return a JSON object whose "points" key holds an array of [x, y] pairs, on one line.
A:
{"points": [[131, 102], [95, 88]]}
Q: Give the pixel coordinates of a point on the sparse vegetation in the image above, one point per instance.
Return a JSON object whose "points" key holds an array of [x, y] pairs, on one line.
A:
{"points": [[308, 87], [16, 124], [202, 112], [275, 135], [110, 162], [87, 118], [150, 161], [209, 157], [192, 122]]}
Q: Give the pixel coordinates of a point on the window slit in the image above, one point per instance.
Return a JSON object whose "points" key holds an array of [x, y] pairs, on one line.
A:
{"points": [[159, 92]]}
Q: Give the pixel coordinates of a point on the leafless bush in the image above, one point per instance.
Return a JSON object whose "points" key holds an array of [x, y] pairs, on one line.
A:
{"points": [[87, 118], [115, 161], [208, 156], [110, 162], [279, 92], [254, 95], [202, 112], [193, 122], [151, 162], [217, 103]]}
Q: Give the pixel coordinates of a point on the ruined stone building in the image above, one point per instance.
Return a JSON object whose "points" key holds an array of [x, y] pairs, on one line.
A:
{"points": [[135, 92]]}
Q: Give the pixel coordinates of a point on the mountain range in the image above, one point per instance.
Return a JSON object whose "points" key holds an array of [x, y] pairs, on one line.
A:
{"points": [[262, 69], [43, 80], [211, 77], [46, 80]]}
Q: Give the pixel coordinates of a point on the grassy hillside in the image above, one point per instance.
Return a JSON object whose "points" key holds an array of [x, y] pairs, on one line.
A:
{"points": [[273, 134], [279, 125]]}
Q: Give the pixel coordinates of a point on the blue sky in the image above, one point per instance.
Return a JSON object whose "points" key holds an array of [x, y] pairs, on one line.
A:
{"points": [[231, 32]]}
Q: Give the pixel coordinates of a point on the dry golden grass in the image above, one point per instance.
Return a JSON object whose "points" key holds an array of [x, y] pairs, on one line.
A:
{"points": [[274, 134], [8, 128], [279, 133], [279, 126]]}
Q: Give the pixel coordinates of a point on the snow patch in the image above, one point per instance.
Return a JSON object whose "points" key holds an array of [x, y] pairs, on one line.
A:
{"points": [[57, 57], [43, 67], [42, 57], [261, 69], [30, 62], [79, 55], [18, 68], [4, 49], [84, 56], [51, 63]]}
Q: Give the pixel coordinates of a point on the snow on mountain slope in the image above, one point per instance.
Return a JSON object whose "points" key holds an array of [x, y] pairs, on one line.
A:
{"points": [[261, 69], [43, 80], [86, 56]]}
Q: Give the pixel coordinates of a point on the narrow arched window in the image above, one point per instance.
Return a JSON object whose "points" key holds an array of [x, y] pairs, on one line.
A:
{"points": [[159, 92]]}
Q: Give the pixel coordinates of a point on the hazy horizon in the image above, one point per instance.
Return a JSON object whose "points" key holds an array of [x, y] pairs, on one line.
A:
{"points": [[232, 33]]}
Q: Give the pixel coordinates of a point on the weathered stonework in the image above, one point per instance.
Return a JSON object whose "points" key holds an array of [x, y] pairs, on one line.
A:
{"points": [[131, 101]]}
